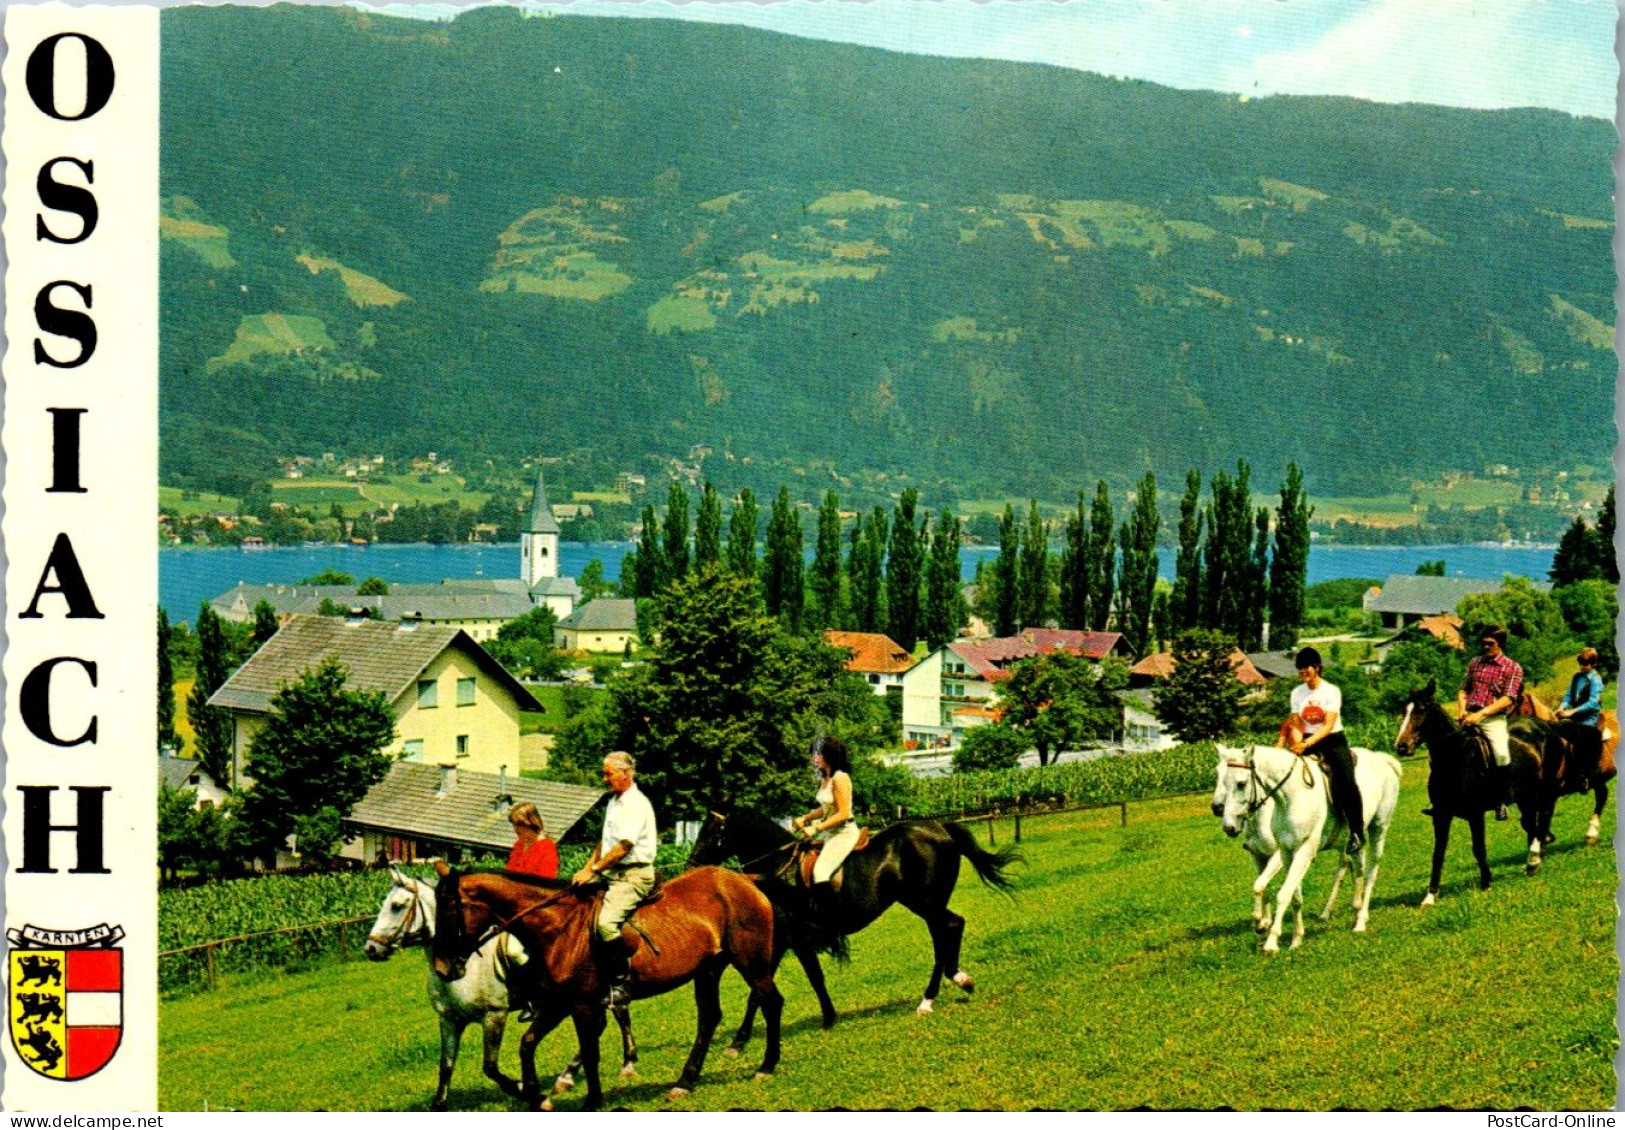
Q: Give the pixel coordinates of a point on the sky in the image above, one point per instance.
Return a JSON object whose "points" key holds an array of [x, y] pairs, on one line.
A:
{"points": [[1485, 54]]}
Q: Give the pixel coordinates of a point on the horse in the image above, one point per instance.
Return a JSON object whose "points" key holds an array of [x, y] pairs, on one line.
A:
{"points": [[1301, 820], [1560, 773], [915, 863], [1462, 786], [701, 922], [480, 994], [1260, 844]]}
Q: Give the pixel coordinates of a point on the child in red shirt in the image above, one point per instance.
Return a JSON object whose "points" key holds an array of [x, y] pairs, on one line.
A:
{"points": [[533, 853]]}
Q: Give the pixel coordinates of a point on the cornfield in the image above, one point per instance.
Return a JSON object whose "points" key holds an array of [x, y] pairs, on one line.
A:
{"points": [[1132, 776]]}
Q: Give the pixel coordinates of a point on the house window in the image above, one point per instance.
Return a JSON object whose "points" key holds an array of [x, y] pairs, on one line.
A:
{"points": [[428, 694], [953, 690], [412, 750], [874, 680], [462, 745], [465, 692]]}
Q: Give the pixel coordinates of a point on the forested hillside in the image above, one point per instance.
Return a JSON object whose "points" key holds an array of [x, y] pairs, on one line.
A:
{"points": [[504, 236]]}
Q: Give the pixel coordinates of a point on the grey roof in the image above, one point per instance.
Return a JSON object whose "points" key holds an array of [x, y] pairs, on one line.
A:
{"points": [[1425, 596], [499, 599], [1275, 664], [541, 515], [556, 586], [606, 614], [177, 772], [454, 606], [237, 604], [377, 656], [474, 810]]}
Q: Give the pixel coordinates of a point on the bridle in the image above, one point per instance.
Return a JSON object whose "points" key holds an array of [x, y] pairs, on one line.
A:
{"points": [[748, 866], [1256, 799], [414, 911]]}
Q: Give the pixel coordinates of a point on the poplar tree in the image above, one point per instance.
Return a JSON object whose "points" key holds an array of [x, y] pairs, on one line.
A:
{"points": [[1103, 550], [211, 726], [652, 573], [825, 581], [166, 688], [1606, 557], [1289, 569], [1138, 582], [676, 532], [742, 527], [708, 529], [1075, 557], [1185, 605], [945, 611], [1228, 551], [1033, 602], [905, 566], [782, 585], [1007, 576], [1251, 635]]}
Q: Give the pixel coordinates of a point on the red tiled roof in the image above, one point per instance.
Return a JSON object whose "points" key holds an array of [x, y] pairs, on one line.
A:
{"points": [[989, 658], [1445, 627], [872, 652], [1161, 664]]}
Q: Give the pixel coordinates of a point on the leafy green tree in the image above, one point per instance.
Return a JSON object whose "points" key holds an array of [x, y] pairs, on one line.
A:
{"points": [[675, 531], [990, 747], [1161, 629], [1034, 589], [373, 586], [708, 529], [1076, 555], [1138, 579], [1591, 610], [167, 737], [1258, 583], [944, 612], [328, 576], [211, 726], [905, 569], [824, 581], [1605, 540], [1228, 552], [1431, 568], [189, 838], [727, 705], [1007, 577], [318, 753], [653, 571], [864, 572], [1289, 568], [1537, 635], [742, 526], [524, 645], [1056, 702], [265, 623], [592, 582], [782, 584], [1104, 546], [1185, 604], [1576, 558], [1201, 699], [1413, 663]]}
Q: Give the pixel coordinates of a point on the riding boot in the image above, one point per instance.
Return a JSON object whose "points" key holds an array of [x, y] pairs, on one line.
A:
{"points": [[615, 967], [1503, 784], [823, 903]]}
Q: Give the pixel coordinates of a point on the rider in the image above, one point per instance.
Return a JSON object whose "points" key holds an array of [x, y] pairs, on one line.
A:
{"points": [[1581, 713], [1491, 690], [833, 815], [625, 858], [1318, 706], [534, 853]]}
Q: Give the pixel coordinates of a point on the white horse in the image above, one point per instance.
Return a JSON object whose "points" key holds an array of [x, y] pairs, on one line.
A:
{"points": [[1300, 821], [481, 993], [1260, 844]]}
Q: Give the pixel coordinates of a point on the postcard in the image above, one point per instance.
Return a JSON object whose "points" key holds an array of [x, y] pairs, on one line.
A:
{"points": [[803, 555]]}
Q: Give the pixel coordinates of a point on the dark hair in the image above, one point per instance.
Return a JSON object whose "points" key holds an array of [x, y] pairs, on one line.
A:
{"points": [[1308, 657], [1495, 632], [836, 755]]}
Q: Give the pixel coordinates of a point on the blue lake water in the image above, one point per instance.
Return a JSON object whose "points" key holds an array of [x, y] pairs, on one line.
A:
{"points": [[188, 577]]}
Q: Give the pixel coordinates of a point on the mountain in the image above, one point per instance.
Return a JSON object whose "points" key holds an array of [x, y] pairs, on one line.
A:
{"points": [[617, 239]]}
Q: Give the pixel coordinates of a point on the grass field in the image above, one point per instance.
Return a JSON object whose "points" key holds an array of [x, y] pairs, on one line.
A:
{"points": [[1124, 973]]}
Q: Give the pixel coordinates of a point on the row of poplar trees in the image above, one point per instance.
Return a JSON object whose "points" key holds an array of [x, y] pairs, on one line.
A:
{"points": [[898, 571], [895, 571]]}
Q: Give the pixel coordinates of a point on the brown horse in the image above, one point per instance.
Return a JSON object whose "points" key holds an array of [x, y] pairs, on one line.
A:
{"points": [[1564, 774], [703, 922]]}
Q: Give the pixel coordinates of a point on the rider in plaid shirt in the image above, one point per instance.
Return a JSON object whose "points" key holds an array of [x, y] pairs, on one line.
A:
{"points": [[1488, 696]]}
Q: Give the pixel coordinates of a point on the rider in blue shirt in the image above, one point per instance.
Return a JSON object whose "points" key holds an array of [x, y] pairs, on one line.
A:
{"points": [[1581, 713]]}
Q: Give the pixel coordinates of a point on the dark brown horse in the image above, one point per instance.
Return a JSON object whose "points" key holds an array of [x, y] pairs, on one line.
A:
{"points": [[1565, 773], [703, 922], [915, 863], [1462, 783]]}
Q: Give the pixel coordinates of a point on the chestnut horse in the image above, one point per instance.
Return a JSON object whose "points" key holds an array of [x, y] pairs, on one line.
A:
{"points": [[702, 922], [1564, 775]]}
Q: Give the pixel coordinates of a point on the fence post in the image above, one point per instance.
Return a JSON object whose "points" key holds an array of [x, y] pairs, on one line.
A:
{"points": [[992, 838], [1018, 825], [344, 941], [1122, 806], [208, 965]]}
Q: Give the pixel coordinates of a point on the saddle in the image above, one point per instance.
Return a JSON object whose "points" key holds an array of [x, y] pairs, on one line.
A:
{"points": [[798, 869]]}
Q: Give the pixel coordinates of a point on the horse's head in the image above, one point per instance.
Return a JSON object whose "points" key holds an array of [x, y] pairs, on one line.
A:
{"points": [[1233, 789], [1418, 707], [452, 930], [407, 915], [711, 845]]}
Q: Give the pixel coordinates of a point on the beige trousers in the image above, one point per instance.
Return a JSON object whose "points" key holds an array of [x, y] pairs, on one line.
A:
{"points": [[627, 887]]}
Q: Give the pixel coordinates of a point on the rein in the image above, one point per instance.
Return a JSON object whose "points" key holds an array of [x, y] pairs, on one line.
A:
{"points": [[1253, 805], [405, 931]]}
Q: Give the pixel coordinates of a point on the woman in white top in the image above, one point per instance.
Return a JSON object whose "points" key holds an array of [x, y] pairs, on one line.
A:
{"points": [[1318, 707], [832, 819]]}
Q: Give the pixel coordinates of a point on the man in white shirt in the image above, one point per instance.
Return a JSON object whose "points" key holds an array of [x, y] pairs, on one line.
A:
{"points": [[624, 859], [1318, 706]]}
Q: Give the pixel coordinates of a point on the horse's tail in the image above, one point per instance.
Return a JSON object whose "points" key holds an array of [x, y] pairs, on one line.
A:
{"points": [[990, 865]]}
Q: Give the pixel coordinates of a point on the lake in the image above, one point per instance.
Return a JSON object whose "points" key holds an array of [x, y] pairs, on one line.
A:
{"points": [[189, 576]]}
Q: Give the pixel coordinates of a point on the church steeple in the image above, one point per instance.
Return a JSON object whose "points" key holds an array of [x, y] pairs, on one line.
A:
{"points": [[539, 543]]}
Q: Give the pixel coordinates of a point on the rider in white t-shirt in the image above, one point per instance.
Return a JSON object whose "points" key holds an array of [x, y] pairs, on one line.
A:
{"points": [[1318, 707]]}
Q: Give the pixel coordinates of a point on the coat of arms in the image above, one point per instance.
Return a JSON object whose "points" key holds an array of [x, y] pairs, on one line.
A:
{"points": [[66, 995]]}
